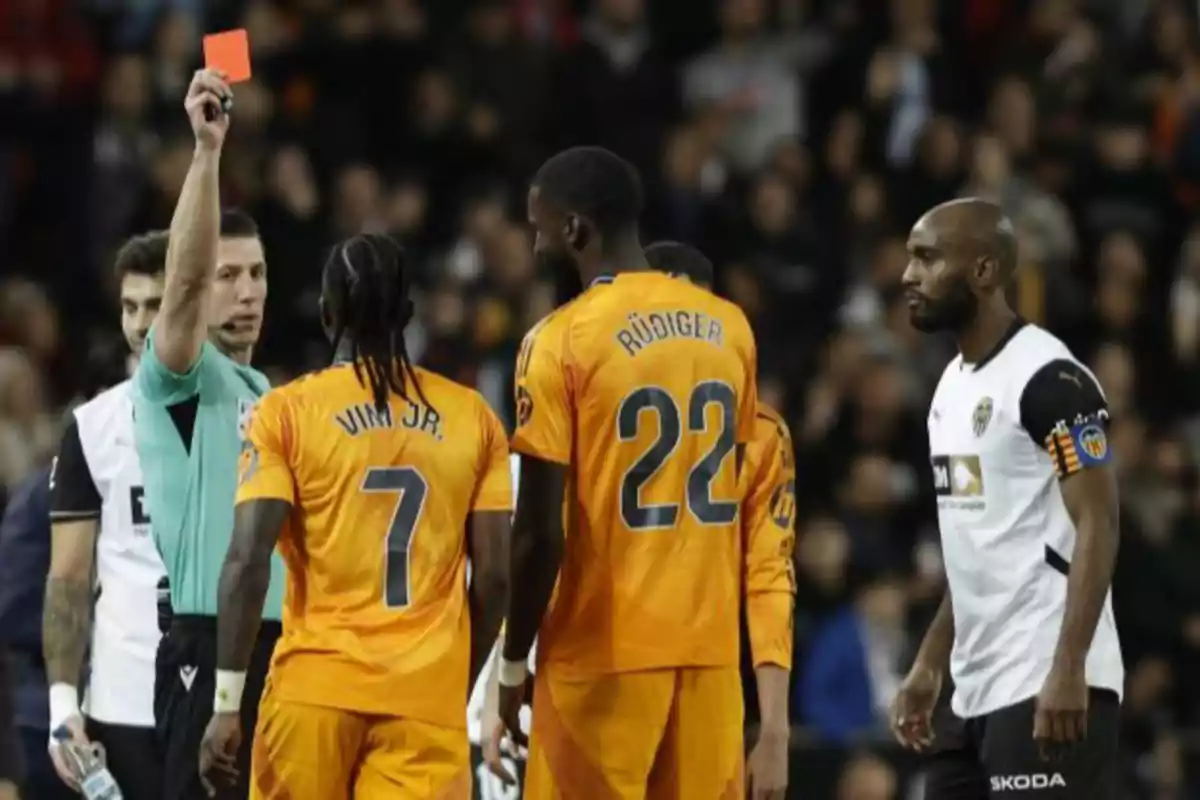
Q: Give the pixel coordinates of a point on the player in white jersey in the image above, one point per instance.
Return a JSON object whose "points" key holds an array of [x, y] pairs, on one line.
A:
{"points": [[96, 508], [498, 774], [1027, 506]]}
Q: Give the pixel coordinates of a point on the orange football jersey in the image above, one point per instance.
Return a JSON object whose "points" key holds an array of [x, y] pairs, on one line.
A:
{"points": [[375, 615], [643, 386], [769, 538]]}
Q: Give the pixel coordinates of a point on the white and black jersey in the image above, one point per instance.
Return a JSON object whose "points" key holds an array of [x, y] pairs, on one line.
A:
{"points": [[475, 703], [1002, 433], [97, 476]]}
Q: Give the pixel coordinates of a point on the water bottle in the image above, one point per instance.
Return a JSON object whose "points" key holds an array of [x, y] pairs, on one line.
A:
{"points": [[87, 763]]}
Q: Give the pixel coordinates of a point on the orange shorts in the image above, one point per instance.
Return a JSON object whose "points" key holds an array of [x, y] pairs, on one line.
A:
{"points": [[673, 734], [303, 751]]}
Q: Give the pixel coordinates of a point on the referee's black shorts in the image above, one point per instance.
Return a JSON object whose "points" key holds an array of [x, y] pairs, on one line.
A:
{"points": [[994, 757], [183, 702]]}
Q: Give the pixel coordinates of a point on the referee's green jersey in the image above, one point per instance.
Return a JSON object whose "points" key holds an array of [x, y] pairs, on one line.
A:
{"points": [[189, 429]]}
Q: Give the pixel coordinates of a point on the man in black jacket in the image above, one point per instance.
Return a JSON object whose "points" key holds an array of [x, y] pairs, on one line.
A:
{"points": [[8, 735], [24, 563]]}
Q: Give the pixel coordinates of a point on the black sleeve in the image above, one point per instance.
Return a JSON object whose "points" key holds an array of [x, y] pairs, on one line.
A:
{"points": [[73, 493], [8, 734], [1066, 414]]}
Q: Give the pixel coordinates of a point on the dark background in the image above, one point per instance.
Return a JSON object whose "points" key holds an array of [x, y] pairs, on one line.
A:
{"points": [[795, 141]]}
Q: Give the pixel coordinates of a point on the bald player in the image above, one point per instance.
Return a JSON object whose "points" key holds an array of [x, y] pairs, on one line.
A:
{"points": [[1027, 507], [634, 404]]}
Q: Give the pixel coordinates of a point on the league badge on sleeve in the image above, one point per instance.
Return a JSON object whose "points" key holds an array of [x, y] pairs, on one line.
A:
{"points": [[524, 407], [247, 463]]}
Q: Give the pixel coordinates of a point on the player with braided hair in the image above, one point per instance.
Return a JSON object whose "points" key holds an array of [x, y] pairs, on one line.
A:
{"points": [[378, 481], [366, 308]]}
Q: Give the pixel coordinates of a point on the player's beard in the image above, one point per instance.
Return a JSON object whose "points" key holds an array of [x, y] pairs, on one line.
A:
{"points": [[954, 311], [554, 263]]}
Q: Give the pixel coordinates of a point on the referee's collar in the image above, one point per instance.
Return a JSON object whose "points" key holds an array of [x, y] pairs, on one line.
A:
{"points": [[1013, 329]]}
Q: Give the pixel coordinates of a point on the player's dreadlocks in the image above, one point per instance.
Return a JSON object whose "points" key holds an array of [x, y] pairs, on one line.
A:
{"points": [[366, 300]]}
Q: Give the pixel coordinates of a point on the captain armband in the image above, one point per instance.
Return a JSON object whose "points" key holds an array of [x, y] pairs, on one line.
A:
{"points": [[1080, 445]]}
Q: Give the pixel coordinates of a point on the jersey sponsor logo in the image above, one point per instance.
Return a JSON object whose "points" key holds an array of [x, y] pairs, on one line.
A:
{"points": [[958, 480], [1025, 783], [137, 506], [957, 475], [981, 416], [187, 676]]}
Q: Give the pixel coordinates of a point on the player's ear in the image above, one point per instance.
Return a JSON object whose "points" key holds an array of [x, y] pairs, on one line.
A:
{"points": [[577, 233], [985, 270], [323, 310]]}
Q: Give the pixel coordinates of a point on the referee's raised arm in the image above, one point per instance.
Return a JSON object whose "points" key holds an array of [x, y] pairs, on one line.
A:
{"points": [[181, 327]]}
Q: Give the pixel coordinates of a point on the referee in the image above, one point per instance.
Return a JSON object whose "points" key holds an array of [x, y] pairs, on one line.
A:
{"points": [[97, 512], [193, 392], [1027, 507]]}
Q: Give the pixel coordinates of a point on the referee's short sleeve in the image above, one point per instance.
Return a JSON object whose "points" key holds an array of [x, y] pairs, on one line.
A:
{"points": [[73, 493], [157, 383], [1065, 413]]}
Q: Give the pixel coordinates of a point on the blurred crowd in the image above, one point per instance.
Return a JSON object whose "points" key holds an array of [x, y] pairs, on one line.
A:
{"points": [[794, 141]]}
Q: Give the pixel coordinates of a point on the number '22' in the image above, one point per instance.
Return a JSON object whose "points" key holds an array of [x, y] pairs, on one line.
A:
{"points": [[700, 503]]}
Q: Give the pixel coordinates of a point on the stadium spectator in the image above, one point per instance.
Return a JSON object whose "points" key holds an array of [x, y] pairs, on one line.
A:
{"points": [[851, 666]]}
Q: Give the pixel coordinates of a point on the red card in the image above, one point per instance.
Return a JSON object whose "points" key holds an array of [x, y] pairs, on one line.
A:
{"points": [[229, 52]]}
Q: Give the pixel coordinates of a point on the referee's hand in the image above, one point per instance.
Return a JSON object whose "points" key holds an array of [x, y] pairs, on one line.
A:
{"points": [[911, 714], [207, 105]]}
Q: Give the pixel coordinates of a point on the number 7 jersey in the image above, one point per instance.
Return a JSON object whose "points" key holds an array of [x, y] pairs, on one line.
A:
{"points": [[643, 387], [375, 615]]}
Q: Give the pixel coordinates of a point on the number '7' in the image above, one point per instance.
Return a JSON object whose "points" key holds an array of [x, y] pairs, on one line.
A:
{"points": [[412, 487]]}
